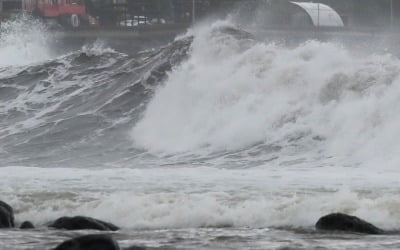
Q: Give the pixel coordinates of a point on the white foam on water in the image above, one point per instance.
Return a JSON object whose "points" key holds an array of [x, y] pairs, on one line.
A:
{"points": [[24, 41], [199, 197]]}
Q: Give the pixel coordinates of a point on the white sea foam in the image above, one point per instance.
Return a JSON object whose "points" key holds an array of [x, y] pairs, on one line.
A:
{"points": [[24, 41], [97, 48], [199, 197]]}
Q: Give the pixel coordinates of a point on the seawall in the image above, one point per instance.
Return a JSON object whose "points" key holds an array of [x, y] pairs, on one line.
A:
{"points": [[133, 39]]}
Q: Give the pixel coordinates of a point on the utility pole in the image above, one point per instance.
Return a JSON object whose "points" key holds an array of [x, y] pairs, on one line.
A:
{"points": [[193, 11], [391, 13]]}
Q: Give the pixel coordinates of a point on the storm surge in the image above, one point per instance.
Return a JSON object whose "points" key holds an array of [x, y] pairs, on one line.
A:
{"points": [[215, 130], [317, 99]]}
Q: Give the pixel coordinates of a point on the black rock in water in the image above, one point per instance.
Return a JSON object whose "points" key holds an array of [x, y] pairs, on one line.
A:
{"points": [[26, 225], [135, 248], [6, 215], [89, 242], [82, 222], [344, 222], [6, 206]]}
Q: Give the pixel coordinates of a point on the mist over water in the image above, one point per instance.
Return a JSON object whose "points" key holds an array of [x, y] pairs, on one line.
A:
{"points": [[214, 130], [24, 41]]}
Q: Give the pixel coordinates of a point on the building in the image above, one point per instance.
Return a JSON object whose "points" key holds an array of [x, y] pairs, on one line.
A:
{"points": [[316, 15], [287, 14], [131, 13]]}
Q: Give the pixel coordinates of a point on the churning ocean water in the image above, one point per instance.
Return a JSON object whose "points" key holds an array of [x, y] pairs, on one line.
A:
{"points": [[214, 141]]}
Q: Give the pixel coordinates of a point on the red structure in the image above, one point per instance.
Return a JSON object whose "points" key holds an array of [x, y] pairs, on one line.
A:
{"points": [[67, 12]]}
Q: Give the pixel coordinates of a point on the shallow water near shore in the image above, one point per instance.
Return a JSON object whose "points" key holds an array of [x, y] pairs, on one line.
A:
{"points": [[209, 238], [217, 140]]}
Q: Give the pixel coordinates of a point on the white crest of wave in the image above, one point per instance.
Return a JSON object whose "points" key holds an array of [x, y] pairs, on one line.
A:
{"points": [[23, 41], [217, 209], [97, 48], [234, 92]]}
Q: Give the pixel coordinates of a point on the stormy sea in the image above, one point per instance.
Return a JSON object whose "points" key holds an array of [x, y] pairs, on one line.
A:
{"points": [[216, 140]]}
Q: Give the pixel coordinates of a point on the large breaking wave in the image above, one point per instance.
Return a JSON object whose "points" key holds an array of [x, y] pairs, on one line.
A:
{"points": [[215, 129], [223, 93], [235, 93]]}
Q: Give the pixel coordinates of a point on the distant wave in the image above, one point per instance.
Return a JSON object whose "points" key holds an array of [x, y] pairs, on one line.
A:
{"points": [[71, 107]]}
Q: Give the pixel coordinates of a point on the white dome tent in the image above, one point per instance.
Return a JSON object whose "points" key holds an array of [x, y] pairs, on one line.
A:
{"points": [[321, 14]]}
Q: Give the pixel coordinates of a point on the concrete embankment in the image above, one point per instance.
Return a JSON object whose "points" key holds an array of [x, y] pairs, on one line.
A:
{"points": [[127, 40], [134, 39]]}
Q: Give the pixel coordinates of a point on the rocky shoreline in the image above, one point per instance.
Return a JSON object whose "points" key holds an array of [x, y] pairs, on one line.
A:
{"points": [[335, 222]]}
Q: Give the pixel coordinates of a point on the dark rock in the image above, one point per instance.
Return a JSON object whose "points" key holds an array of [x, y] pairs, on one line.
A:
{"points": [[26, 225], [6, 206], [6, 215], [89, 242], [5, 219], [344, 222], [81, 222], [135, 248]]}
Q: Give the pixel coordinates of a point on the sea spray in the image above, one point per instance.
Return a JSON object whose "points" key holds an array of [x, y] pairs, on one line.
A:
{"points": [[318, 99], [24, 41]]}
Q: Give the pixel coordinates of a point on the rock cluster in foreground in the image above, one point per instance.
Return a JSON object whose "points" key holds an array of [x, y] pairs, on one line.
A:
{"points": [[330, 222], [87, 242]]}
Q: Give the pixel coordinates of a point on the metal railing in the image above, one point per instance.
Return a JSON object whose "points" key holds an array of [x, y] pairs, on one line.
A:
{"points": [[135, 13]]}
